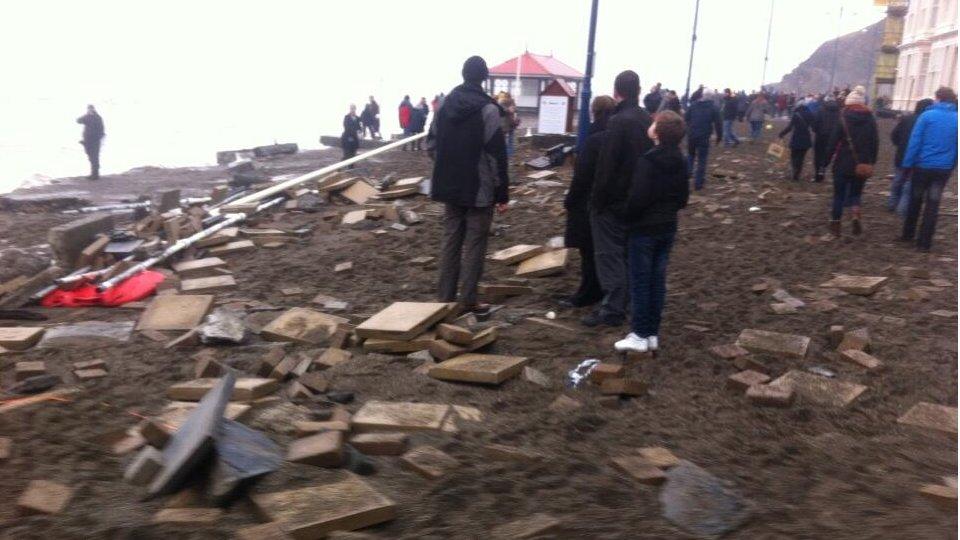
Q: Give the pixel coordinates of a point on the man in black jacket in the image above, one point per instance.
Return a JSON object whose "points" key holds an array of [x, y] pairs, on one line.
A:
{"points": [[702, 118], [653, 99], [469, 177], [900, 137], [625, 141], [93, 133]]}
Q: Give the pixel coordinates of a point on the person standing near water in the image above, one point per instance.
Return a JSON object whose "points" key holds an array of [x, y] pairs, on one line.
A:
{"points": [[93, 133], [352, 131]]}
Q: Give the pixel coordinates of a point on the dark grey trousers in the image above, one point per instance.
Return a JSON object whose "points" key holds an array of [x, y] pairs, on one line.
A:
{"points": [[610, 251], [463, 227]]}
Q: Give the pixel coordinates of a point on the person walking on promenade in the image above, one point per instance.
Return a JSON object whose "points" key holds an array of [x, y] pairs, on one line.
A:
{"points": [[932, 156], [856, 142], [578, 232], [352, 133], [757, 110], [800, 141], [625, 141], [470, 178], [93, 133], [730, 111], [404, 112], [900, 136], [824, 122], [659, 189], [702, 118]]}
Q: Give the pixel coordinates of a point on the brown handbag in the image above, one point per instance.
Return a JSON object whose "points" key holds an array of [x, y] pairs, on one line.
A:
{"points": [[862, 171]]}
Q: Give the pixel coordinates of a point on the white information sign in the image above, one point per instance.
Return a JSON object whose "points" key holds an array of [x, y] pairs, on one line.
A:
{"points": [[553, 114]]}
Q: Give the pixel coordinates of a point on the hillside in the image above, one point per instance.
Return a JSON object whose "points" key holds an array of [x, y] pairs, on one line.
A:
{"points": [[855, 61]]}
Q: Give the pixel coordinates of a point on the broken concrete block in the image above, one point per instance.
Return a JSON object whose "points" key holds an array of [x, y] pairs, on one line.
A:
{"points": [[68, 240], [501, 452], [859, 285], [219, 238], [861, 358], [207, 285], [517, 254], [623, 387], [231, 248], [534, 526], [770, 396], [302, 325], [931, 416], [317, 511], [19, 338], [380, 444], [403, 320], [945, 497], [820, 390], [479, 368], [455, 334], [87, 334], [728, 351], [429, 462], [246, 389], [700, 504], [89, 374], [334, 357], [659, 456], [639, 469], [188, 516], [27, 369], [604, 371], [198, 267], [223, 326], [144, 467], [399, 416], [44, 497], [545, 264], [858, 339], [175, 312], [565, 404], [762, 341], [739, 382]]}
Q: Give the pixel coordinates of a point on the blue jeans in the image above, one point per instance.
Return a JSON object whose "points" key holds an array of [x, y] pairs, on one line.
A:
{"points": [[698, 149], [846, 193], [728, 136], [899, 192], [925, 191], [648, 256], [510, 143], [756, 126]]}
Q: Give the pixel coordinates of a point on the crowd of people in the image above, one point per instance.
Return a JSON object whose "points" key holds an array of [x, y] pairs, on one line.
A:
{"points": [[631, 179]]}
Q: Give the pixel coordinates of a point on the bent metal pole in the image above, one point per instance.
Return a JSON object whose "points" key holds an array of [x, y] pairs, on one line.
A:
{"points": [[313, 175], [180, 245]]}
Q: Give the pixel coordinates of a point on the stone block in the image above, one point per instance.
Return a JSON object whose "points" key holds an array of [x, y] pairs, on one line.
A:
{"points": [[90, 364], [479, 368], [739, 382], [400, 416], [19, 338], [819, 390], [314, 381], [639, 469], [188, 516], [207, 285], [380, 444], [44, 497], [302, 325], [334, 357], [858, 285], [429, 462], [284, 368], [403, 320], [324, 449], [762, 341], [728, 351], [659, 456], [604, 371], [623, 387], [175, 312], [861, 358], [931, 416], [315, 512], [770, 396], [89, 374], [68, 240], [246, 389], [858, 339], [516, 254], [545, 264], [456, 335], [502, 452], [207, 367], [304, 428], [25, 370]]}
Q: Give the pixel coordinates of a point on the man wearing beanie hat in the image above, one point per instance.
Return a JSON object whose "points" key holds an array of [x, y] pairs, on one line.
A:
{"points": [[470, 177], [856, 143]]}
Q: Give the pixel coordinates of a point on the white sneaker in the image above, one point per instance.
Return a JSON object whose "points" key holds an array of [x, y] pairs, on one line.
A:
{"points": [[632, 343], [654, 342]]}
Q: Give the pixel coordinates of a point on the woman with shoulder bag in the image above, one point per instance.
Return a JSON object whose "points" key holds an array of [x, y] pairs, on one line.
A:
{"points": [[855, 143]]}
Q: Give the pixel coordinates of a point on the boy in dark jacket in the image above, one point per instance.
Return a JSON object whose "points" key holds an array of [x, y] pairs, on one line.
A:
{"points": [[900, 137], [469, 177], [856, 142], [659, 189], [625, 141]]}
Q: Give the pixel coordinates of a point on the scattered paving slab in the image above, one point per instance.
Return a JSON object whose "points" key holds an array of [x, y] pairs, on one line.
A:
{"points": [[87, 334], [536, 525], [28, 368], [19, 338], [858, 285], [400, 416], [564, 404], [545, 264], [728, 351], [334, 357], [316, 511], [188, 516], [429, 462], [762, 341], [858, 339], [641, 470], [89, 374], [699, 503], [623, 387], [739, 382], [245, 389], [324, 449], [764, 395], [175, 312], [517, 254], [380, 444], [659, 456], [502, 452], [403, 320], [230, 248], [945, 497], [479, 368], [819, 390], [302, 325], [861, 358], [207, 285], [44, 497], [419, 343], [454, 334], [931, 416], [198, 267]]}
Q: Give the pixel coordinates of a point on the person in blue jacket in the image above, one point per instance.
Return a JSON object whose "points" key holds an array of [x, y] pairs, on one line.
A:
{"points": [[932, 156]]}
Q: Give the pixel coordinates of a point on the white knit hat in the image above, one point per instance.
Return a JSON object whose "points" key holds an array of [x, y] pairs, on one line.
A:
{"points": [[857, 96]]}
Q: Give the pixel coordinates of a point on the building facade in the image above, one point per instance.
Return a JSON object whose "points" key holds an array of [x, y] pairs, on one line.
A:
{"points": [[928, 52], [527, 75]]}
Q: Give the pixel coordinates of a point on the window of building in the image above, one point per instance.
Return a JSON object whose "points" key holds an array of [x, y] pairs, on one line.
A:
{"points": [[922, 72], [937, 60], [934, 8]]}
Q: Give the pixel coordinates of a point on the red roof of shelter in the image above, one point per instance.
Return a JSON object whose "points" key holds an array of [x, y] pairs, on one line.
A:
{"points": [[536, 65]]}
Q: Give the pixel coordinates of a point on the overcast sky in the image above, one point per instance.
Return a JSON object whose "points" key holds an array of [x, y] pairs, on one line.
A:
{"points": [[224, 72]]}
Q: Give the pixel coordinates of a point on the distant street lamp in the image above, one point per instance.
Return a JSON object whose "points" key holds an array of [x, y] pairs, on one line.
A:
{"points": [[693, 42]]}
